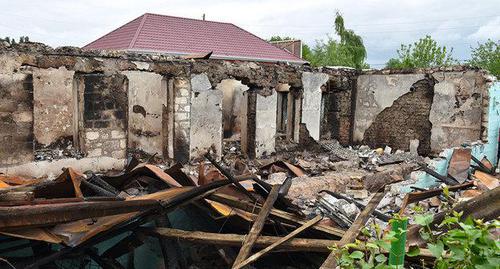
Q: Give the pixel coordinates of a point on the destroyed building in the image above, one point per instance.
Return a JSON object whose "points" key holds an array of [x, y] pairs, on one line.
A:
{"points": [[91, 110]]}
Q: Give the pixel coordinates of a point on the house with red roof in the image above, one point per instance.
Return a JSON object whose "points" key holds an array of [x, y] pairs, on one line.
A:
{"points": [[183, 36]]}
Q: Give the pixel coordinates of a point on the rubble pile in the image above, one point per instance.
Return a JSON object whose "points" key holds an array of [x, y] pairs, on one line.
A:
{"points": [[234, 207]]}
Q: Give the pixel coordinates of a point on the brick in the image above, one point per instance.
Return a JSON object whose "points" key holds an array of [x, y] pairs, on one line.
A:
{"points": [[183, 92], [94, 152], [181, 116], [123, 143], [92, 135], [181, 100], [116, 134]]}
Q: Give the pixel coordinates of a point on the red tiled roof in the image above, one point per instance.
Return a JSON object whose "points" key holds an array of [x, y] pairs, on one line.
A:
{"points": [[175, 35]]}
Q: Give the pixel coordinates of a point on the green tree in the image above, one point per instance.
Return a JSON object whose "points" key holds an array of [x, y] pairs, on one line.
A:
{"points": [[348, 51], [487, 56], [350, 42], [12, 41], [280, 38], [423, 53]]}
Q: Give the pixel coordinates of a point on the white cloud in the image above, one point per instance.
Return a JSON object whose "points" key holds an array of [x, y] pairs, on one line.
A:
{"points": [[490, 30], [383, 24]]}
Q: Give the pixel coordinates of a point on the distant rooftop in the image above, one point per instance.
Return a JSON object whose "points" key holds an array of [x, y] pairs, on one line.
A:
{"points": [[181, 36]]}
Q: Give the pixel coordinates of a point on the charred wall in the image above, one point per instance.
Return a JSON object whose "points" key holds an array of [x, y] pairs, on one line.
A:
{"points": [[53, 113], [104, 114], [16, 118], [407, 119], [338, 109], [391, 109]]}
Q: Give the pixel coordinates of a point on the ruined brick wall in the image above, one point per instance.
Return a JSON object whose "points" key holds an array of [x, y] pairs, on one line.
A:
{"points": [[338, 108], [104, 115], [391, 108], [407, 119], [81, 101], [16, 118], [53, 113], [182, 117]]}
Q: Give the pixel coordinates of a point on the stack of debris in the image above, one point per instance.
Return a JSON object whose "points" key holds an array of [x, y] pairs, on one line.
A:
{"points": [[248, 209]]}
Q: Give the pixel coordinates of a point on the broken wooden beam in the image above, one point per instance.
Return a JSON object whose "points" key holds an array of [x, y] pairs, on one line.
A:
{"points": [[413, 197], [280, 215], [50, 214], [257, 226], [481, 166], [281, 241], [235, 240]]}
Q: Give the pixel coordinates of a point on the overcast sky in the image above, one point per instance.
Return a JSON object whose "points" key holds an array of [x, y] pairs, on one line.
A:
{"points": [[383, 24]]}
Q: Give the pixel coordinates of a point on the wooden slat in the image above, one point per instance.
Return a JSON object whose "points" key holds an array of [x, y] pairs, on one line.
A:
{"points": [[281, 215], [235, 240], [282, 240], [257, 226]]}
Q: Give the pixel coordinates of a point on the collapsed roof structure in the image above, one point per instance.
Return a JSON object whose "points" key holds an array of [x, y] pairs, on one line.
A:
{"points": [[235, 156]]}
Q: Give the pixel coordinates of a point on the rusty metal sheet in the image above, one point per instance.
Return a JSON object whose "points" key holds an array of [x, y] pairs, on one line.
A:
{"points": [[297, 171], [459, 164], [488, 180], [39, 234]]}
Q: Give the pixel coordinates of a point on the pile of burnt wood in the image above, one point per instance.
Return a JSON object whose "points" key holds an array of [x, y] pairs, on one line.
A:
{"points": [[104, 219]]}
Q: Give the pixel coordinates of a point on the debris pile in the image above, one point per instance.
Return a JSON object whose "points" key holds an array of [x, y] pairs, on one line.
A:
{"points": [[239, 212]]}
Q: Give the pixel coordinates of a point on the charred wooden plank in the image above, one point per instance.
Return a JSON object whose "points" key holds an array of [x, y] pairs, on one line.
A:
{"points": [[441, 178], [143, 217], [281, 241], [50, 214], [280, 215], [235, 240], [413, 197], [257, 226]]}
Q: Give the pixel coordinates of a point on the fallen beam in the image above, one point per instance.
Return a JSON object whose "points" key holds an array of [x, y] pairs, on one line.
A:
{"points": [[257, 226], [168, 204], [485, 206], [51, 214], [414, 197], [444, 179], [280, 215], [282, 240], [230, 177], [235, 240]]}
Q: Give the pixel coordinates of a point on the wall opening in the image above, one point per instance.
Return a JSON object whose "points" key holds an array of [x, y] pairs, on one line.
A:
{"points": [[232, 113], [287, 113], [168, 118], [102, 113], [336, 112]]}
